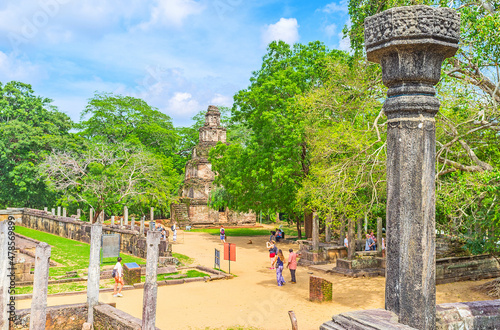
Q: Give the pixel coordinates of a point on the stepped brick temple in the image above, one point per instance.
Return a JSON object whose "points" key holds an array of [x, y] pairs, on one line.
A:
{"points": [[198, 182]]}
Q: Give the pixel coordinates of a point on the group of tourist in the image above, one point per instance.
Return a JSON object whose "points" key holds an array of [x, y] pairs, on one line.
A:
{"points": [[165, 233], [370, 244], [277, 234], [278, 262]]}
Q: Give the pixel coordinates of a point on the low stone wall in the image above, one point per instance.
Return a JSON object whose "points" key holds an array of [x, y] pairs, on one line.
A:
{"points": [[131, 241], [72, 317], [17, 213], [466, 268], [328, 253], [359, 263], [107, 317], [68, 317]]}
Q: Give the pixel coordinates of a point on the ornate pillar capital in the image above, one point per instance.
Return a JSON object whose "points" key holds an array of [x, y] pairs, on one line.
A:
{"points": [[410, 43]]}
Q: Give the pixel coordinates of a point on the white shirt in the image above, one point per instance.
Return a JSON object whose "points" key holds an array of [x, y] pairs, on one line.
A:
{"points": [[345, 242], [119, 269]]}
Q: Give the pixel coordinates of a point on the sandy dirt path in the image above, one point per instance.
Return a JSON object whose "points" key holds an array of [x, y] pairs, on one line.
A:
{"points": [[252, 299]]}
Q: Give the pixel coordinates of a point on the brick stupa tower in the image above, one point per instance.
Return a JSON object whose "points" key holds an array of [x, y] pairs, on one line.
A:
{"points": [[198, 181]]}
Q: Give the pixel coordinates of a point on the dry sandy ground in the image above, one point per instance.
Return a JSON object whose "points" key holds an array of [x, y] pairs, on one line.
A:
{"points": [[252, 299]]}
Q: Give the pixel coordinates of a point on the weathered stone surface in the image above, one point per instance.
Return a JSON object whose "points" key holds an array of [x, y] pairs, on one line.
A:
{"points": [[150, 286], [468, 315], [411, 43], [359, 231], [87, 326], [4, 276], [466, 268], [125, 215], [379, 234], [373, 319], [94, 270], [108, 317], [315, 232], [351, 245], [40, 287], [141, 229], [67, 317]]}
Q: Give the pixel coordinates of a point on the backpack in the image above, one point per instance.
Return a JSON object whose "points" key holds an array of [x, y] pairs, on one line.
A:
{"points": [[222, 231], [172, 228], [114, 273]]}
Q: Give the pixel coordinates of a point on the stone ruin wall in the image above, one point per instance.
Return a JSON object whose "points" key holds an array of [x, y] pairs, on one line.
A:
{"points": [[131, 241], [72, 317]]}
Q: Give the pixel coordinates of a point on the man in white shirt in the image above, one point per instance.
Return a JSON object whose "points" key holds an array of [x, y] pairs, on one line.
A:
{"points": [[118, 272]]}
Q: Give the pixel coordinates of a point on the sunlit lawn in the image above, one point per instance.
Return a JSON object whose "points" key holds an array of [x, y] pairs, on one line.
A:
{"points": [[73, 255]]}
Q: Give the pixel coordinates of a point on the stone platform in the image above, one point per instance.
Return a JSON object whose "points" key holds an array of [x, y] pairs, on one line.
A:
{"points": [[484, 315]]}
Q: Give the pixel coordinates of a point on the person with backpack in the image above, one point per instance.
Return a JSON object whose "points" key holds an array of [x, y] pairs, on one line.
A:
{"points": [[117, 274], [222, 234]]}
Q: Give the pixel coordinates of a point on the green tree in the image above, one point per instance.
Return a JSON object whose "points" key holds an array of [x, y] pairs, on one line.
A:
{"points": [[345, 134], [125, 119], [29, 128], [265, 173], [105, 175], [468, 123]]}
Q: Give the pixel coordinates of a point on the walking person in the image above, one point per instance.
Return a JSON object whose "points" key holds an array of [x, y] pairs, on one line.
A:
{"points": [[292, 265], [118, 275], [174, 232], [278, 262], [272, 252], [222, 234]]}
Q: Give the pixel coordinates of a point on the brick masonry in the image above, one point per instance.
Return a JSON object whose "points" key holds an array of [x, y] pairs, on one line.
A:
{"points": [[319, 289]]}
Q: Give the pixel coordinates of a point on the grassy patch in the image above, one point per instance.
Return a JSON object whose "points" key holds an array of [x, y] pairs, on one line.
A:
{"points": [[190, 273], [245, 231], [183, 259], [73, 255], [56, 288]]}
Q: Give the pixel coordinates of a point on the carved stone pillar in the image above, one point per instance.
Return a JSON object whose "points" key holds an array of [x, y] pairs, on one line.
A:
{"points": [[410, 43]]}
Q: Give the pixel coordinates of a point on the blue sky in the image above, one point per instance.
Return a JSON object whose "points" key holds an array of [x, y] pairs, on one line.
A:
{"points": [[178, 55]]}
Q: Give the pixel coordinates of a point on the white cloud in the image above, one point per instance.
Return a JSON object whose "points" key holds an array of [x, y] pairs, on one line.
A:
{"points": [[223, 100], [183, 104], [286, 29], [330, 30], [172, 12], [344, 44], [12, 68], [334, 7]]}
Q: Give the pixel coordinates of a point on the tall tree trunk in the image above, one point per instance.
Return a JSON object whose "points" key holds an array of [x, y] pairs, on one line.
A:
{"points": [[299, 229]]}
